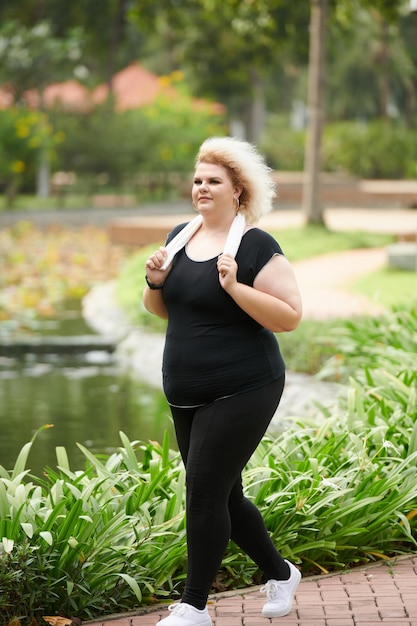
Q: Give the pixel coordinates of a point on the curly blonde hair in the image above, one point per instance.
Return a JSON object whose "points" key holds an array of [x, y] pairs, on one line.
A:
{"points": [[247, 168]]}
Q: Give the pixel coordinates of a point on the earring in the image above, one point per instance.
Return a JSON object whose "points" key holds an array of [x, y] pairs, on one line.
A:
{"points": [[237, 203]]}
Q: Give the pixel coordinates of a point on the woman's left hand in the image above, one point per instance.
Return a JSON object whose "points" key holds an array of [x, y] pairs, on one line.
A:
{"points": [[227, 268]]}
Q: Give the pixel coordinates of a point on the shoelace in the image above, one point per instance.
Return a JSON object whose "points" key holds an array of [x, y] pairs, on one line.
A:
{"points": [[178, 608], [272, 589]]}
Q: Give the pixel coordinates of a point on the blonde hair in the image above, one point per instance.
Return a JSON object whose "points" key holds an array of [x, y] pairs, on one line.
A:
{"points": [[247, 168]]}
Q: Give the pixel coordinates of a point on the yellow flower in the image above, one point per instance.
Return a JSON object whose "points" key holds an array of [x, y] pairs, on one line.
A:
{"points": [[34, 142], [18, 167], [22, 130], [165, 154], [60, 136], [177, 76], [164, 81]]}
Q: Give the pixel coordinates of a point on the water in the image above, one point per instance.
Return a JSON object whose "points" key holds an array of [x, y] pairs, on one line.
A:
{"points": [[87, 399]]}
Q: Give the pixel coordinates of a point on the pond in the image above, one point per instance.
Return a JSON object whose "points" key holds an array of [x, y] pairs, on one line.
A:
{"points": [[86, 397]]}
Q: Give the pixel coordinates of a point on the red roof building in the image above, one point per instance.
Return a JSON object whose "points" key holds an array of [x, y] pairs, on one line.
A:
{"points": [[132, 87]]}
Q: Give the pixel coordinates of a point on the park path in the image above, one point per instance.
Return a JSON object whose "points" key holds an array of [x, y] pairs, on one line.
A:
{"points": [[324, 283]]}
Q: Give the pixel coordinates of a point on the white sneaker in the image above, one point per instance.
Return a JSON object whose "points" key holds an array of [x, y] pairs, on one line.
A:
{"points": [[280, 593], [183, 614]]}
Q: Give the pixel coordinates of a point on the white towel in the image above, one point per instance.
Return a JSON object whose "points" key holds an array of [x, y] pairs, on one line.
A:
{"points": [[231, 246]]}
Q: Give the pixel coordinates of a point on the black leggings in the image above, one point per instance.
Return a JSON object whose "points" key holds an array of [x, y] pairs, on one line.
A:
{"points": [[216, 441]]}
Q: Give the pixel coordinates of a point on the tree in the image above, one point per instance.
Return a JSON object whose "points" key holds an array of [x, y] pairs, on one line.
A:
{"points": [[316, 85], [387, 10], [228, 48], [32, 58]]}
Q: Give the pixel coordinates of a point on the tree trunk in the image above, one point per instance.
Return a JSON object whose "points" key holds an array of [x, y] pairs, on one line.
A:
{"points": [[382, 61], [43, 175], [311, 204], [43, 183], [255, 122], [116, 36]]}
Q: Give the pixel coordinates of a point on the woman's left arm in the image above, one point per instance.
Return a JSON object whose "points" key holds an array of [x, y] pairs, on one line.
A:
{"points": [[274, 301]]}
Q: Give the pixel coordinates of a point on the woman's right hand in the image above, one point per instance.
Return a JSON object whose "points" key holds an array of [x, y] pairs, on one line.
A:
{"points": [[153, 266]]}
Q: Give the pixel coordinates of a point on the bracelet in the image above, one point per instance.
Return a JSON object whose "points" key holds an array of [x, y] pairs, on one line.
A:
{"points": [[153, 285]]}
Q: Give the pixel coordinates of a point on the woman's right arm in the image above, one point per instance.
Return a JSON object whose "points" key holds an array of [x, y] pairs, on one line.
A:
{"points": [[153, 299]]}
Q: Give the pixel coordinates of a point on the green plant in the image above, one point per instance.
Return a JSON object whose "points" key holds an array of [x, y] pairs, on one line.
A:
{"points": [[363, 344], [24, 575], [283, 147], [145, 151], [98, 538], [24, 134], [308, 348], [370, 150]]}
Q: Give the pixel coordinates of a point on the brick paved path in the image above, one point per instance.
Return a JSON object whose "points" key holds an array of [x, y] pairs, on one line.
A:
{"points": [[378, 594]]}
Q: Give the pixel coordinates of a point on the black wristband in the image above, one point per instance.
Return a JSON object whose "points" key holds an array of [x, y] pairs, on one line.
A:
{"points": [[153, 285]]}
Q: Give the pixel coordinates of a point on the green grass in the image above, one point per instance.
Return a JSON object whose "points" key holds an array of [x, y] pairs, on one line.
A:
{"points": [[390, 287], [31, 203], [309, 241], [307, 348]]}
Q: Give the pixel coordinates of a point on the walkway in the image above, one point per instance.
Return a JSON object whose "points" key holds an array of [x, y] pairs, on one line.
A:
{"points": [[324, 283], [378, 594]]}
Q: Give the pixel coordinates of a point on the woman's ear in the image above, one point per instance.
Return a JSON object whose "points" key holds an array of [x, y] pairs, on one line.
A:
{"points": [[238, 192]]}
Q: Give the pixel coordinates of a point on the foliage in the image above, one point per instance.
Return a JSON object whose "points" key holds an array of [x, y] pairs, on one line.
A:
{"points": [[93, 541], [120, 150], [24, 135], [222, 45], [44, 269], [371, 149], [32, 58], [334, 493], [282, 146], [101, 146], [308, 348], [370, 342], [371, 55]]}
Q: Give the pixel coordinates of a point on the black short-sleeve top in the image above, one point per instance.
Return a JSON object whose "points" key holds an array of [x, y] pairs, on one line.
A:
{"points": [[213, 348]]}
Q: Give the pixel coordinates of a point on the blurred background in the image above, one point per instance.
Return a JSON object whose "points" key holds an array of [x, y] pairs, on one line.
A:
{"points": [[114, 96]]}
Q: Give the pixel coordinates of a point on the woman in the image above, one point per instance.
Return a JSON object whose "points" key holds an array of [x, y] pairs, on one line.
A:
{"points": [[223, 373]]}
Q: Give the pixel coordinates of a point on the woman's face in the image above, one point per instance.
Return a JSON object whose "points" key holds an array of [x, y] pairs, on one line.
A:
{"points": [[213, 190]]}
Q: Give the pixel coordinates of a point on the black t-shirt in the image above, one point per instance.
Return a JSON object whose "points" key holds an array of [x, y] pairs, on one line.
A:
{"points": [[213, 348]]}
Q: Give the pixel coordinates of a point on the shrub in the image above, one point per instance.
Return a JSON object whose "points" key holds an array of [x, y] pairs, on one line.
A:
{"points": [[134, 148], [373, 149], [282, 146], [24, 134], [368, 343], [91, 542]]}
